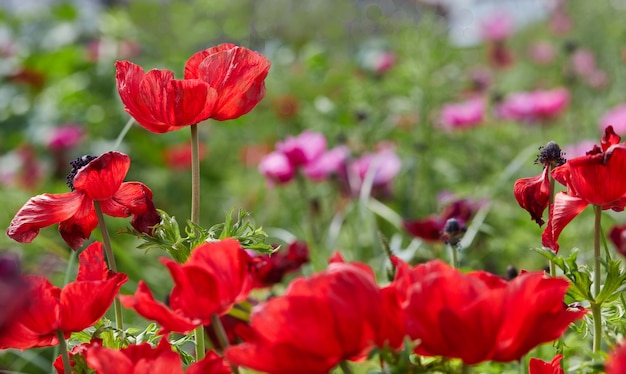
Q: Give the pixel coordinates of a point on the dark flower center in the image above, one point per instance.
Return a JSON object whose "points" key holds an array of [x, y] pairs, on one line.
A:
{"points": [[453, 231], [551, 154], [77, 164]]}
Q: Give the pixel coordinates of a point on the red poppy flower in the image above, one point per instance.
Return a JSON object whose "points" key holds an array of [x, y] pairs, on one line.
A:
{"points": [[215, 276], [96, 179], [479, 317], [13, 290], [160, 103], [77, 357], [616, 362], [596, 178], [537, 366], [617, 235], [533, 194], [332, 316], [430, 228], [236, 73], [73, 308], [268, 270], [143, 358]]}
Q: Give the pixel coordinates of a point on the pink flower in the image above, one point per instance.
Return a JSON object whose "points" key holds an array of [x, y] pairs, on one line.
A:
{"points": [[381, 167], [302, 149], [384, 61], [66, 136], [277, 168], [534, 105], [497, 27], [615, 117], [542, 52], [583, 62], [463, 115], [579, 149], [331, 162]]}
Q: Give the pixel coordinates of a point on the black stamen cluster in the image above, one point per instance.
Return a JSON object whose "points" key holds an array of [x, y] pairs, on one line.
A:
{"points": [[77, 164], [551, 154]]}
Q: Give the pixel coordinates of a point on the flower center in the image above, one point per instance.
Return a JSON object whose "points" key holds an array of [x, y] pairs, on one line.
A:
{"points": [[550, 155], [77, 164]]}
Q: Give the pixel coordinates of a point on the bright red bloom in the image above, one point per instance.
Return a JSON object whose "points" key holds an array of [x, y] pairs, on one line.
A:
{"points": [[537, 366], [616, 362], [160, 103], [431, 227], [99, 180], [533, 194], [73, 308], [77, 357], [236, 73], [332, 316], [215, 277], [480, 317], [596, 178], [144, 359]]}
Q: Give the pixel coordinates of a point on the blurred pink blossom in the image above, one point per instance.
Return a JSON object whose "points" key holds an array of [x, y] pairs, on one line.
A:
{"points": [[384, 61], [542, 52], [583, 62], [276, 168], [498, 26], [534, 105], [65, 137], [380, 168], [615, 117], [331, 162], [578, 149], [462, 115], [302, 149]]}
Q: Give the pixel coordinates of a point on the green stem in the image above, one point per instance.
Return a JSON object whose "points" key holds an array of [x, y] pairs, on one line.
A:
{"points": [[345, 367], [465, 369], [195, 176], [108, 250], [552, 264], [311, 219], [222, 338], [199, 332], [596, 309], [453, 256], [65, 357]]}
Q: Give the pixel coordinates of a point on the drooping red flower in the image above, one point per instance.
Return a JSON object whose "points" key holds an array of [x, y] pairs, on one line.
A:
{"points": [[431, 227], [268, 270], [215, 277], [332, 316], [537, 366], [143, 359], [73, 308], [160, 103], [477, 316], [593, 179], [236, 73], [616, 362], [93, 179]]}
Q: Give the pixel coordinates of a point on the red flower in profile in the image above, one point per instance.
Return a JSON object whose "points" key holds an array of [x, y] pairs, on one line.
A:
{"points": [[215, 277], [73, 308], [236, 73], [268, 270], [617, 235], [480, 317], [143, 358], [537, 366], [596, 178], [332, 316], [431, 227], [616, 362], [92, 179]]}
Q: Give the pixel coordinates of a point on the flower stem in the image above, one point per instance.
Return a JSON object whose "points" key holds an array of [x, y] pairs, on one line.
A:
{"points": [[65, 357], [108, 250], [552, 264], [596, 309], [199, 332], [222, 338], [195, 176], [345, 367], [453, 256]]}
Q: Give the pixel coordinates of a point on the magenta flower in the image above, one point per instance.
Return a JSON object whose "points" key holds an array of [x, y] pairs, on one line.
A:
{"points": [[329, 163], [534, 105], [463, 115], [381, 167], [542, 52], [615, 117], [498, 27], [66, 136], [277, 168], [302, 149]]}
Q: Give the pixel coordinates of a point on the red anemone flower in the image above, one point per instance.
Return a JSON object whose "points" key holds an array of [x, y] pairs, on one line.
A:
{"points": [[143, 358], [596, 178], [533, 194], [92, 179], [617, 235], [73, 308], [431, 227], [215, 277], [616, 362], [236, 73], [160, 103], [332, 316], [477, 316], [537, 366], [268, 270]]}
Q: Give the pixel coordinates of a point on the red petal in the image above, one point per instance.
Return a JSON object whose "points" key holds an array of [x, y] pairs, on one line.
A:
{"points": [[598, 180], [562, 212], [108, 361], [609, 138], [144, 303], [238, 75], [533, 194], [129, 77], [189, 102], [212, 363], [42, 211], [103, 176], [196, 293], [76, 229], [133, 198], [191, 66], [91, 264]]}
